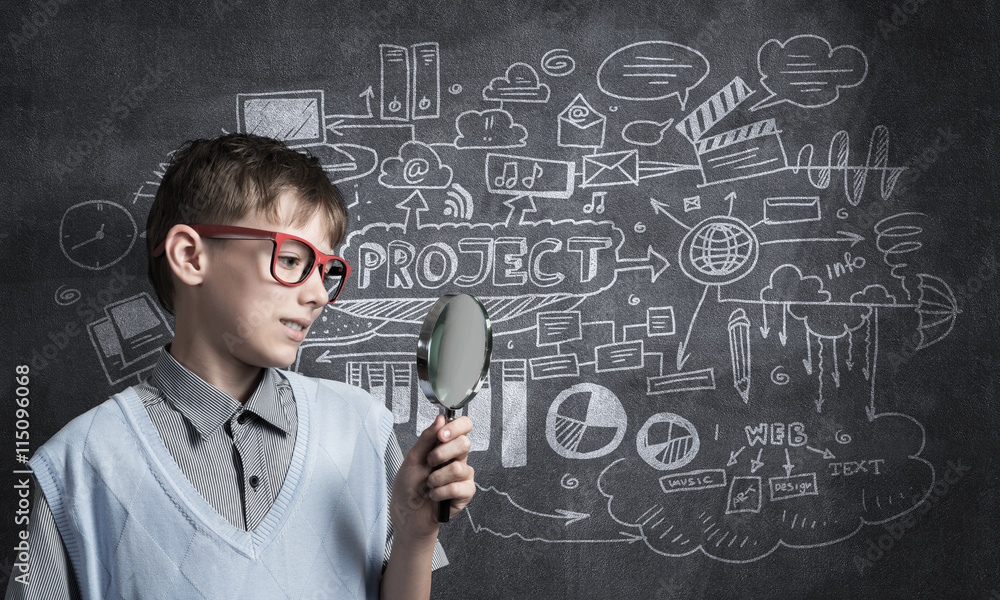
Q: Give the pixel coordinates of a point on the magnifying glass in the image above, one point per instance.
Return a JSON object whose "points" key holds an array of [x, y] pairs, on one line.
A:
{"points": [[453, 358]]}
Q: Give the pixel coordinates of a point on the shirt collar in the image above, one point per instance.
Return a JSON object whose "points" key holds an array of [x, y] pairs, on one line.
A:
{"points": [[206, 406]]}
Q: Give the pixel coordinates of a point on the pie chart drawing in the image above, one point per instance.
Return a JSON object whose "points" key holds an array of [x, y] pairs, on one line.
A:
{"points": [[667, 441], [585, 421]]}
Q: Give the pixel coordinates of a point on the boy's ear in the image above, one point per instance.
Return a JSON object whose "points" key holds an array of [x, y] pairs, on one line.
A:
{"points": [[185, 251]]}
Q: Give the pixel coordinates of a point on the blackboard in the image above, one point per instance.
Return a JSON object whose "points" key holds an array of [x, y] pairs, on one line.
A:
{"points": [[741, 263]]}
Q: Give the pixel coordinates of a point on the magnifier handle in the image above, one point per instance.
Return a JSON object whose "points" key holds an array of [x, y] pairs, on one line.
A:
{"points": [[444, 506]]}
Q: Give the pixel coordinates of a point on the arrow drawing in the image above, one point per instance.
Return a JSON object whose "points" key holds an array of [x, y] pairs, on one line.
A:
{"points": [[756, 464], [788, 464], [870, 409], [654, 262], [660, 208], [681, 357], [733, 455], [826, 453], [846, 236], [649, 168], [731, 197], [807, 362], [568, 516], [501, 500], [339, 126], [368, 94], [783, 336]]}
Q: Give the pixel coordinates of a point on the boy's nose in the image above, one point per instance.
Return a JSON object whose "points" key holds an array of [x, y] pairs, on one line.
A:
{"points": [[313, 289]]}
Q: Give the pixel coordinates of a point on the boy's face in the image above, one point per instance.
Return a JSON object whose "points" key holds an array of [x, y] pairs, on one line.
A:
{"points": [[245, 312]]}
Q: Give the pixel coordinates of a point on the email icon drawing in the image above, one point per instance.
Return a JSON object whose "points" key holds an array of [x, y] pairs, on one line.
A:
{"points": [[580, 126], [692, 203], [611, 168]]}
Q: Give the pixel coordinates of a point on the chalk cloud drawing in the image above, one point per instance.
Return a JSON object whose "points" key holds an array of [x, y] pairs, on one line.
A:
{"points": [[806, 71], [493, 128], [416, 166], [779, 513], [519, 84]]}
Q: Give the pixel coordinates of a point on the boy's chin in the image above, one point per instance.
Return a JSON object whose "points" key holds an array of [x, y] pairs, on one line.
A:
{"points": [[270, 360]]}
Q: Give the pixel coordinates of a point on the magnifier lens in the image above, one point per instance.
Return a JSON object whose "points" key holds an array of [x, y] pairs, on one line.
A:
{"points": [[457, 352], [453, 357]]}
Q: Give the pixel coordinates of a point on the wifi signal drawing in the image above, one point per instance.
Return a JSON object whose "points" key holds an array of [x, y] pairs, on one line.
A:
{"points": [[458, 203]]}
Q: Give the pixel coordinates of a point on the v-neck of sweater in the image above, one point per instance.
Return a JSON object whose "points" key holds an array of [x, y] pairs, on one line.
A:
{"points": [[176, 484]]}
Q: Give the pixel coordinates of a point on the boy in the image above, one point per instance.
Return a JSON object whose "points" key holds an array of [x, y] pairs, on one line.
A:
{"points": [[222, 476]]}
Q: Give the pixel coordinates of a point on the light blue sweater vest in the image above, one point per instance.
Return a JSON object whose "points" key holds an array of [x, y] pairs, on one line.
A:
{"points": [[135, 528]]}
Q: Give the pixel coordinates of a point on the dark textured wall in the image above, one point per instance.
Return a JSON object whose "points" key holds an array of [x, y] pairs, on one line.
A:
{"points": [[740, 259]]}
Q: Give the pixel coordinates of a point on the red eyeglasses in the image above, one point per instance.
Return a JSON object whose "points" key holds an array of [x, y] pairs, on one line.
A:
{"points": [[292, 258]]}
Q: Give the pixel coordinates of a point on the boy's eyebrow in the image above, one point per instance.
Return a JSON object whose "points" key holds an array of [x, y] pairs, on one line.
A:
{"points": [[324, 250]]}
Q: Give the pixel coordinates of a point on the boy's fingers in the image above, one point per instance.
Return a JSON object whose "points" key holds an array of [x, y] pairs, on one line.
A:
{"points": [[460, 492], [447, 440], [457, 448], [459, 426], [427, 439], [456, 471]]}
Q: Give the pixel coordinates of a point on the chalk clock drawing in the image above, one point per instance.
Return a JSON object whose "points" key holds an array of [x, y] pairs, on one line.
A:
{"points": [[96, 234]]}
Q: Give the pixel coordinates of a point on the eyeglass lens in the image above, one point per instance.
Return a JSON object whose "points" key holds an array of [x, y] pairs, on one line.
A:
{"points": [[293, 263]]}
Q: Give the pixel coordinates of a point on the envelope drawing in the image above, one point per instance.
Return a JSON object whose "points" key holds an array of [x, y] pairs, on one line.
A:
{"points": [[580, 126], [611, 168], [692, 203]]}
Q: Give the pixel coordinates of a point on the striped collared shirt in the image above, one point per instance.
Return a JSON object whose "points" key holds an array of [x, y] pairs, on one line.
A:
{"points": [[235, 455]]}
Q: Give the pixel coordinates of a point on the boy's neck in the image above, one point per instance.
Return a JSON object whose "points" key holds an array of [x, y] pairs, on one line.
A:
{"points": [[239, 381]]}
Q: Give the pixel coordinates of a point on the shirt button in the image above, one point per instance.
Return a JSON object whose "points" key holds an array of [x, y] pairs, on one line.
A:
{"points": [[243, 418], [254, 480]]}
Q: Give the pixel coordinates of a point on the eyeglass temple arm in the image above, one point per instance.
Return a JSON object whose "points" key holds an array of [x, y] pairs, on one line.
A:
{"points": [[217, 235]]}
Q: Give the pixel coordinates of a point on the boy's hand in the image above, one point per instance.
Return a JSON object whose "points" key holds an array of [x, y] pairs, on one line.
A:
{"points": [[418, 487]]}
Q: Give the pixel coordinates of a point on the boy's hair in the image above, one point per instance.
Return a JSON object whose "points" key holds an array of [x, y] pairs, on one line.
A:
{"points": [[219, 181]]}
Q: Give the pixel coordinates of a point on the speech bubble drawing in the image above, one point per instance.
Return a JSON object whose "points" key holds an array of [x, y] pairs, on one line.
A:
{"points": [[806, 71], [652, 70], [645, 133]]}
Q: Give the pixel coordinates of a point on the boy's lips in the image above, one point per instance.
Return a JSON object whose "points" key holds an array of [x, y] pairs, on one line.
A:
{"points": [[294, 334], [305, 323]]}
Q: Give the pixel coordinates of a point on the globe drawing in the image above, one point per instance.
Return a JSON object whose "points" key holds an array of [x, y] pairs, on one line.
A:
{"points": [[719, 250]]}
